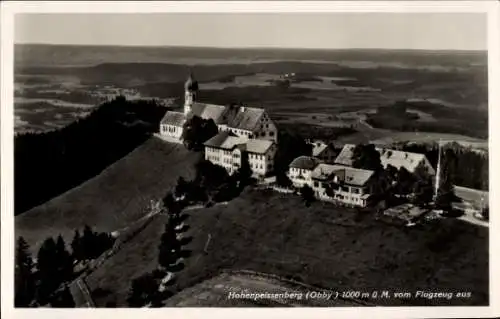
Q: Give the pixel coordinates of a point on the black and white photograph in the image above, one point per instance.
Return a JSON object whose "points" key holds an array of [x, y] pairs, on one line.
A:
{"points": [[248, 159]]}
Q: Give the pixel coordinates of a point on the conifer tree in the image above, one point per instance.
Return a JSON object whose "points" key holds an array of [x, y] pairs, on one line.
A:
{"points": [[144, 290], [24, 278], [47, 265], [76, 246], [65, 260], [169, 249]]}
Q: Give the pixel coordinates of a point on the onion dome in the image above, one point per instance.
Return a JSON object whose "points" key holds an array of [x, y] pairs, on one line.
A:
{"points": [[191, 84]]}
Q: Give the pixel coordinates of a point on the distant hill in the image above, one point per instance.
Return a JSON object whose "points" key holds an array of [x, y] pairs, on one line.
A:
{"points": [[67, 55]]}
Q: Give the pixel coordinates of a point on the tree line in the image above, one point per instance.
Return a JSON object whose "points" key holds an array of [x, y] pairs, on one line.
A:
{"points": [[71, 155], [465, 167], [46, 280]]}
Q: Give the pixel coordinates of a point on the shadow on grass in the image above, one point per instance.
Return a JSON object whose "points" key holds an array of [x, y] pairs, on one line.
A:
{"points": [[183, 217], [186, 253], [176, 268], [183, 229], [186, 240]]}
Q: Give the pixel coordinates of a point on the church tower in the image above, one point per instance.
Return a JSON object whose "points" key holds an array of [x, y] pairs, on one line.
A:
{"points": [[190, 91]]}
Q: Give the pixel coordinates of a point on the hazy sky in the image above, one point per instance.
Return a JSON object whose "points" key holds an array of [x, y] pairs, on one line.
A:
{"points": [[435, 31]]}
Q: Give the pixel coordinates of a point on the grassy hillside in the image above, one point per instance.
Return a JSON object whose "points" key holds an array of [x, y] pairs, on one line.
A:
{"points": [[323, 245], [113, 198]]}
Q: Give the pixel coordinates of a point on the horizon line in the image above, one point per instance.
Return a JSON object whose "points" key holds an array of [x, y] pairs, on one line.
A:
{"points": [[242, 48]]}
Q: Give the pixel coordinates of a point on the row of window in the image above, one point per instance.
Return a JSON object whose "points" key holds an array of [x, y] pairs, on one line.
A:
{"points": [[258, 157], [344, 198], [213, 158], [169, 129], [353, 190]]}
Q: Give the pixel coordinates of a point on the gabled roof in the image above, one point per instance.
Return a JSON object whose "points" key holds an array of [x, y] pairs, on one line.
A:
{"points": [[345, 156], [226, 140], [396, 158], [208, 111], [258, 146], [173, 118], [246, 118], [348, 175], [318, 148], [399, 159], [217, 140], [304, 162]]}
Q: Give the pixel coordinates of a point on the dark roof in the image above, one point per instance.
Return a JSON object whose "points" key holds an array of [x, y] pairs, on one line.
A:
{"points": [[173, 118], [217, 140], [246, 118], [208, 111], [304, 162], [258, 146]]}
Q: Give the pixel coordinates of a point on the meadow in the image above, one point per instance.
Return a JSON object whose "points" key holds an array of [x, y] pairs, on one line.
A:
{"points": [[323, 245], [113, 199]]}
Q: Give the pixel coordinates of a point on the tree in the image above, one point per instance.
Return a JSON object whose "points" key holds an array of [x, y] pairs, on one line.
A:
{"points": [[307, 194], [90, 246], [366, 157], [405, 181], [63, 299], [65, 260], [445, 195], [24, 278], [244, 173], [48, 270], [197, 131], [283, 180], [182, 187], [169, 249], [76, 246], [144, 290]]}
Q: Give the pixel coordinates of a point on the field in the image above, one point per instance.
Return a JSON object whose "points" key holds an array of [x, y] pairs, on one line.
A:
{"points": [[325, 85], [323, 245], [112, 199]]}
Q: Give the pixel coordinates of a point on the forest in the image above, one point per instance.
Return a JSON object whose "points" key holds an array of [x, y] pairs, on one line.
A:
{"points": [[464, 166], [50, 163]]}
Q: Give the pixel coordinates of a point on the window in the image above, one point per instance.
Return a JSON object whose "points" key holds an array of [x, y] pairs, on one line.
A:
{"points": [[316, 184], [271, 133], [354, 190]]}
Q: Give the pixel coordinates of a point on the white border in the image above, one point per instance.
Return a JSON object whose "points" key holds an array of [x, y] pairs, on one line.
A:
{"points": [[7, 217]]}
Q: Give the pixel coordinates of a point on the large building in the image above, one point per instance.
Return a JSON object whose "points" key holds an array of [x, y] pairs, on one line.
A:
{"points": [[300, 170], [245, 122], [228, 150], [410, 161], [347, 185], [333, 183]]}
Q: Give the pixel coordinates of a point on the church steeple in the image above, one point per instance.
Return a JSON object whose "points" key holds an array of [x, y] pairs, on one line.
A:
{"points": [[190, 91]]}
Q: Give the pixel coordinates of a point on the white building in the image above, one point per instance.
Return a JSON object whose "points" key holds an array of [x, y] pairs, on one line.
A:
{"points": [[246, 122], [227, 150], [346, 185], [396, 158], [300, 170]]}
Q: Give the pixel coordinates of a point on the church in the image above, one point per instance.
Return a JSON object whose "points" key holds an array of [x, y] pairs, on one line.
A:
{"points": [[245, 122]]}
